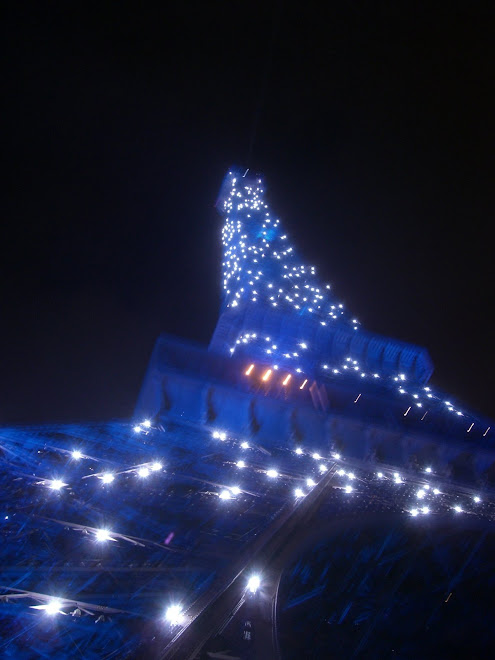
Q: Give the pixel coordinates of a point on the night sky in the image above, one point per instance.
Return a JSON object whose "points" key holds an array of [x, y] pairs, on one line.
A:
{"points": [[374, 128]]}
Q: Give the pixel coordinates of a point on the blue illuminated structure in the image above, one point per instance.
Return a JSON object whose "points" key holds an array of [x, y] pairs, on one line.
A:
{"points": [[275, 309], [115, 537]]}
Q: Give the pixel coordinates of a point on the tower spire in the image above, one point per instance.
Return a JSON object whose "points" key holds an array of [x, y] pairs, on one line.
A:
{"points": [[275, 307]]}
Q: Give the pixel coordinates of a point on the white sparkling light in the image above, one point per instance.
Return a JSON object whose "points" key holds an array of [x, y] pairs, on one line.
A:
{"points": [[102, 535], [143, 472], [77, 454], [241, 464], [56, 484], [225, 495], [348, 488], [299, 450], [245, 445], [254, 583], [299, 492], [174, 615], [272, 473], [156, 466], [107, 478], [52, 607], [147, 424], [310, 483]]}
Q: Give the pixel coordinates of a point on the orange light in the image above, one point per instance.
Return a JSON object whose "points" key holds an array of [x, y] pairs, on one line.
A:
{"points": [[249, 370], [286, 379], [303, 384], [267, 375]]}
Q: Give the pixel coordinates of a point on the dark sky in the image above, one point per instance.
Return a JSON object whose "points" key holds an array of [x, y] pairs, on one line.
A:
{"points": [[375, 132]]}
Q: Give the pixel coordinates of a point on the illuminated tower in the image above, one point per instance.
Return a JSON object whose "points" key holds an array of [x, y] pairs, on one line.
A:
{"points": [[279, 323], [275, 308]]}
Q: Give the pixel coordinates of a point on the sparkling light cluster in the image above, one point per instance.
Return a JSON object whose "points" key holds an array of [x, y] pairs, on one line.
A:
{"points": [[426, 498], [260, 267]]}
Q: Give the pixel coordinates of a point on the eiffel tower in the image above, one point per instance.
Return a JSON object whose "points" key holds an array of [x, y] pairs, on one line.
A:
{"points": [[296, 489]]}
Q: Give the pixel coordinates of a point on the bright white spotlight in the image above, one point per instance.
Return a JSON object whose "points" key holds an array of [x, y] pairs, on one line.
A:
{"points": [[254, 583], [457, 509], [137, 429], [147, 424], [477, 499], [53, 606], [236, 490], [245, 445], [272, 473], [215, 435], [351, 476], [420, 494], [436, 491], [341, 472], [310, 483], [76, 454], [174, 615], [299, 451], [241, 464], [225, 495], [348, 488], [298, 492], [425, 510], [428, 469], [143, 472], [380, 475], [414, 512], [56, 484], [397, 478], [107, 478], [222, 436], [336, 456], [322, 468], [102, 535], [156, 466], [316, 456]]}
